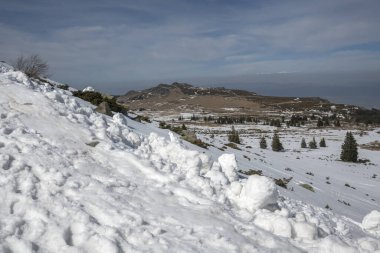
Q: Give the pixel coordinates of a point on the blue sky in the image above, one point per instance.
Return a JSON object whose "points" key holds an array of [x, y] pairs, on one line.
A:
{"points": [[119, 45]]}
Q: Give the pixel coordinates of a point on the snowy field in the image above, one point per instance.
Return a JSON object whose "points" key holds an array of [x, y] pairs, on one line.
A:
{"points": [[72, 180], [336, 183]]}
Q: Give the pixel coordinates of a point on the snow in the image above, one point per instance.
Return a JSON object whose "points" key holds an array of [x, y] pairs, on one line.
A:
{"points": [[137, 189], [229, 166], [371, 222], [258, 192], [88, 88], [327, 174]]}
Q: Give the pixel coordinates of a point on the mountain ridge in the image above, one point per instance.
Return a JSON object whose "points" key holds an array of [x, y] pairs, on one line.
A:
{"points": [[212, 99]]}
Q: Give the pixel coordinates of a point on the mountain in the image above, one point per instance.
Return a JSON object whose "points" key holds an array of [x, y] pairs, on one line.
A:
{"points": [[74, 180], [188, 98]]}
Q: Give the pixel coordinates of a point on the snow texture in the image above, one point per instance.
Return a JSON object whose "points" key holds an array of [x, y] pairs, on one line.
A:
{"points": [[73, 180], [371, 222], [89, 88]]}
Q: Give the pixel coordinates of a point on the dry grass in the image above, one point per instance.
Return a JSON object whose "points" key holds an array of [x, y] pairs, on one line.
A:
{"points": [[375, 146]]}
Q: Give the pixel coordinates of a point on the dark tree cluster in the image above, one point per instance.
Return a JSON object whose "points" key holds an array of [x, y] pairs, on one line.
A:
{"points": [[337, 123], [367, 116], [208, 118], [194, 117], [275, 122], [296, 121], [236, 120], [96, 98]]}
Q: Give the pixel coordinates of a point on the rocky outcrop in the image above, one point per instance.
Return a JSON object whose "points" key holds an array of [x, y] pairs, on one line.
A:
{"points": [[104, 108]]}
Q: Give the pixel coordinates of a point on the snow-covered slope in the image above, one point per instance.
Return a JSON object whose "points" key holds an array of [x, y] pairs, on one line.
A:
{"points": [[72, 180]]}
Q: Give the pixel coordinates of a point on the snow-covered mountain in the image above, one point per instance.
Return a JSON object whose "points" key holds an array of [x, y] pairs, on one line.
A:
{"points": [[73, 180]]}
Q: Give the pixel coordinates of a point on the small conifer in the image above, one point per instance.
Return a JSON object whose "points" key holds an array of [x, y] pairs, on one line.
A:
{"points": [[263, 143], [322, 143], [303, 143], [349, 149], [313, 144], [276, 143]]}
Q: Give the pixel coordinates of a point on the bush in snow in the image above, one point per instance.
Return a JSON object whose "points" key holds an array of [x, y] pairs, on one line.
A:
{"points": [[233, 136], [303, 143], [322, 143], [32, 66], [307, 187], [96, 98], [283, 182], [313, 144], [252, 172], [349, 149], [263, 143], [232, 145], [63, 86], [276, 143]]}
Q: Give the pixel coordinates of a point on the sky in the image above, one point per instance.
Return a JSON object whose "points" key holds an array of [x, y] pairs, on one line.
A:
{"points": [[300, 47]]}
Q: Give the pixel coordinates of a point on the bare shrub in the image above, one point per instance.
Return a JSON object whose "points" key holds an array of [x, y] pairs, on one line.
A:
{"points": [[33, 66]]}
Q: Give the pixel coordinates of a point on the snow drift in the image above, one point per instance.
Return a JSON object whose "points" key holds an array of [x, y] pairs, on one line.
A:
{"points": [[136, 190]]}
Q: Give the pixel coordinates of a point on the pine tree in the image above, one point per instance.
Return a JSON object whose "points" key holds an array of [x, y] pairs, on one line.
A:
{"points": [[313, 144], [337, 123], [320, 123], [233, 136], [303, 143], [263, 143], [184, 127], [322, 143], [349, 149], [276, 143]]}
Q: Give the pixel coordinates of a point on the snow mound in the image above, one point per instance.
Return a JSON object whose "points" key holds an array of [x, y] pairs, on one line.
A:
{"points": [[89, 88], [371, 223], [258, 192], [229, 166], [5, 67]]}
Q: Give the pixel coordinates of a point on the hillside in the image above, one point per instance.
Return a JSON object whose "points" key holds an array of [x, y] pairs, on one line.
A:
{"points": [[73, 180], [169, 98]]}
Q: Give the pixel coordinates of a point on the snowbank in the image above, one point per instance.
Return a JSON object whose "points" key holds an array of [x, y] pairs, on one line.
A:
{"points": [[371, 223], [73, 180], [258, 192]]}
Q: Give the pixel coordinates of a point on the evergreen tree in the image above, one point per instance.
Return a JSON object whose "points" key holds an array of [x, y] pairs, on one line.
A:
{"points": [[184, 127], [276, 143], [322, 143], [326, 122], [349, 149], [320, 123], [313, 144], [337, 123], [233, 136], [263, 143], [303, 143]]}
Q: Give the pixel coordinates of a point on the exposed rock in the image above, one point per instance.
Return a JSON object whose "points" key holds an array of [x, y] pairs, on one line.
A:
{"points": [[104, 108], [92, 143]]}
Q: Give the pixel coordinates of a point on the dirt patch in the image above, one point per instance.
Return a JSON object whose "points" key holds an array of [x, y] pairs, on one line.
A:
{"points": [[375, 145]]}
